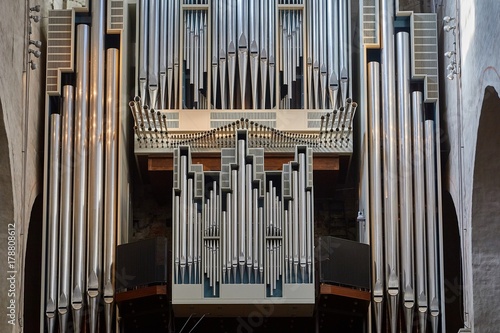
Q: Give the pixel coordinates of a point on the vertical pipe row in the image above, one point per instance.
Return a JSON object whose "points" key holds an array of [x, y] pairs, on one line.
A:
{"points": [[65, 206], [96, 163], [78, 285], [110, 197]]}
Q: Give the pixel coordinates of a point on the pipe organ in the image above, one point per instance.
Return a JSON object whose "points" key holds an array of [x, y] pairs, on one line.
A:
{"points": [[245, 80], [241, 234]]}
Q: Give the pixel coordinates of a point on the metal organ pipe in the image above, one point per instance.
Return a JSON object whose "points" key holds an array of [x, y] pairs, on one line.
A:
{"points": [[432, 246], [96, 163], [420, 230], [154, 50], [390, 160], [377, 246], [110, 197], [78, 285], [53, 223], [405, 172], [143, 47], [65, 214]]}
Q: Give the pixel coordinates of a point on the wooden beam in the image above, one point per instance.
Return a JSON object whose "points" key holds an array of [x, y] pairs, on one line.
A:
{"points": [[327, 289], [272, 162], [141, 293]]}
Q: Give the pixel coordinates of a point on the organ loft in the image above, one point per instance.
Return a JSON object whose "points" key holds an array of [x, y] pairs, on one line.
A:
{"points": [[285, 149]]}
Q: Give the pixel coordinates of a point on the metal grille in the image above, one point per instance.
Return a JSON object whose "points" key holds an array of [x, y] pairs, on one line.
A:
{"points": [[115, 16], [59, 48], [370, 22], [424, 50]]}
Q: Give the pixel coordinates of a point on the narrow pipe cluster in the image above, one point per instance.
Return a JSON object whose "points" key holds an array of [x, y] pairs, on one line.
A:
{"points": [[230, 54], [82, 191], [404, 236], [249, 229]]}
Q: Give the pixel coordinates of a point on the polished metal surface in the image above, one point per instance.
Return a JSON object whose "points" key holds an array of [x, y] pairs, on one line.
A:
{"points": [[79, 239], [419, 218], [376, 194], [96, 164], [65, 216], [53, 223], [431, 224], [110, 186], [405, 177]]}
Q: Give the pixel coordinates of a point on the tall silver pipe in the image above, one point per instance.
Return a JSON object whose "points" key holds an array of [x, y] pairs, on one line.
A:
{"points": [[235, 218], [419, 186], [183, 218], [154, 51], [316, 60], [405, 172], [390, 160], [376, 218], [295, 221], [242, 197], [309, 58], [78, 285], [256, 235], [309, 235], [272, 51], [164, 50], [322, 55], [231, 49], [230, 226], [264, 28], [215, 48], [344, 48], [254, 48], [302, 214], [222, 52], [170, 49], [143, 47], [176, 232], [176, 16], [53, 223], [96, 162], [249, 219], [110, 196], [65, 214], [332, 34], [242, 35], [190, 231], [432, 246]]}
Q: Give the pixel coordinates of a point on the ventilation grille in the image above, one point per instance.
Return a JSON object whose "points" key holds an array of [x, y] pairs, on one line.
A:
{"points": [[370, 22], [258, 163], [198, 180], [115, 16], [425, 53], [218, 119], [59, 48], [228, 157]]}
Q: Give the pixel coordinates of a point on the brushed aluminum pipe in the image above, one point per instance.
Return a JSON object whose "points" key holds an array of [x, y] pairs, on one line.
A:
{"points": [[215, 7], [302, 215], [390, 160], [154, 51], [235, 221], [242, 35], [53, 223], [256, 235], [66, 207], [110, 188], [253, 13], [333, 61], [419, 190], [143, 20], [295, 222], [249, 212], [264, 51], [176, 16], [242, 197], [405, 176], [344, 49], [190, 230], [79, 240], [163, 48], [96, 163], [272, 52], [183, 218], [432, 245], [231, 49], [376, 218]]}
